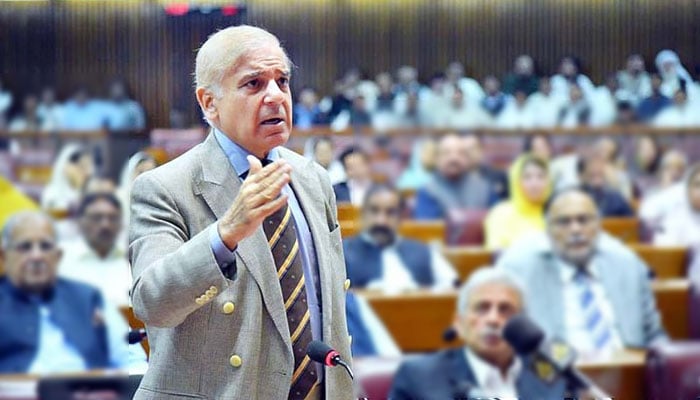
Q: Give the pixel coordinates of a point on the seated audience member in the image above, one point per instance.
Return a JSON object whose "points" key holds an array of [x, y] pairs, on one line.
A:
{"points": [[49, 110], [125, 114], [98, 184], [680, 114], [29, 120], [486, 367], [494, 99], [368, 335], [458, 182], [593, 179], [431, 99], [454, 73], [321, 150], [653, 104], [516, 114], [359, 177], [462, 113], [523, 77], [604, 102], [669, 194], [73, 166], [421, 166], [570, 75], [634, 79], [359, 115], [539, 145], [137, 164], [545, 105], [13, 201], [626, 115], [378, 258], [681, 226], [95, 257], [307, 112], [522, 214], [674, 76], [496, 177], [52, 324], [5, 103], [583, 285], [575, 112], [82, 113], [616, 174], [645, 165]]}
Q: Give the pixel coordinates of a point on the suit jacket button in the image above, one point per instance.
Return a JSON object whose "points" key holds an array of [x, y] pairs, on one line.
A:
{"points": [[228, 307], [214, 290], [236, 361], [210, 293], [199, 301], [347, 284]]}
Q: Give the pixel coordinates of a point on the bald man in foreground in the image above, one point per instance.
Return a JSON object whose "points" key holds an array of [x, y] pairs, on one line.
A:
{"points": [[235, 247]]}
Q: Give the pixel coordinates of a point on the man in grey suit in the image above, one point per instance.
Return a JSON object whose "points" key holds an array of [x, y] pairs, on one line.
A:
{"points": [[235, 247], [584, 286]]}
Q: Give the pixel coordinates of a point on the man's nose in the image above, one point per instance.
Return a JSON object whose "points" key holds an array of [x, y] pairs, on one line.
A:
{"points": [[273, 93]]}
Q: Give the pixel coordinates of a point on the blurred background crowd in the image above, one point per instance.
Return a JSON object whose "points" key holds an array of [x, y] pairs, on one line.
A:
{"points": [[431, 170]]}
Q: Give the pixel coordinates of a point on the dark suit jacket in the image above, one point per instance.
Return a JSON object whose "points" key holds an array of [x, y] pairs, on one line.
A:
{"points": [[447, 375], [342, 192]]}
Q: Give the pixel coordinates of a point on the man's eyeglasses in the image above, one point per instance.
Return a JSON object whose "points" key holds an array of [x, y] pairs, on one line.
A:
{"points": [[582, 219], [26, 246]]}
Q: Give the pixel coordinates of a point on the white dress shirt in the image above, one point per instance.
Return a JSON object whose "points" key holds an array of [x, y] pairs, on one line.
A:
{"points": [[111, 275], [397, 278], [357, 191], [576, 333], [492, 384]]}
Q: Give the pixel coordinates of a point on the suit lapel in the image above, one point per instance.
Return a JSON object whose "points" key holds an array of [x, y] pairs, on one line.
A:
{"points": [[218, 185], [461, 376], [552, 294]]}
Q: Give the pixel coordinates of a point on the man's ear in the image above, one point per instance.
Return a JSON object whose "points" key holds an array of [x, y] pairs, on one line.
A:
{"points": [[206, 98]]}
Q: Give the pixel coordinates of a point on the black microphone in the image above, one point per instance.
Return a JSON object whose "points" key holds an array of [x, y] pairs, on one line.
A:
{"points": [[324, 354], [552, 357], [136, 336]]}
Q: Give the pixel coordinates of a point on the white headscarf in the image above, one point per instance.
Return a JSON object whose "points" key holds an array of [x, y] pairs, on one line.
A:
{"points": [[59, 194], [671, 81]]}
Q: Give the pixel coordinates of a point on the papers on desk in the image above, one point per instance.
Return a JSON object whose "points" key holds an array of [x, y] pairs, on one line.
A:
{"points": [[18, 390]]}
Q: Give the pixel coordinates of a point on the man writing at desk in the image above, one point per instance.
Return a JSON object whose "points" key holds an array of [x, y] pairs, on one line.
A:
{"points": [[235, 248]]}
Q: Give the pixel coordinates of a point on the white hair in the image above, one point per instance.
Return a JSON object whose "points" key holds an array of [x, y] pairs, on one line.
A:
{"points": [[17, 219], [220, 53], [485, 276]]}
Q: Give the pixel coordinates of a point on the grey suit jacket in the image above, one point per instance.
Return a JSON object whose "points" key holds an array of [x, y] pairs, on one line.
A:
{"points": [[624, 277], [199, 348]]}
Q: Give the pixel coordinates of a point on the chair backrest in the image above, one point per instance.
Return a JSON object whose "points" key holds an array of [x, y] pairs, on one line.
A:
{"points": [[348, 212], [672, 371], [423, 231], [466, 227], [625, 229], [375, 376], [666, 262], [467, 259]]}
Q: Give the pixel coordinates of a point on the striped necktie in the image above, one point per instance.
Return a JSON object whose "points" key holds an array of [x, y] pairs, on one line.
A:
{"points": [[595, 321], [281, 234]]}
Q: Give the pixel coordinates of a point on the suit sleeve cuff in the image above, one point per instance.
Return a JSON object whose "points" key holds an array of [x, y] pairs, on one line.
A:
{"points": [[225, 258]]}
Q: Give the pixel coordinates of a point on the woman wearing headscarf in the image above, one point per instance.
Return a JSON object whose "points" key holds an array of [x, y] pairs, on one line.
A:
{"points": [[13, 201], [421, 165], [523, 213], [672, 72], [570, 75], [137, 164], [681, 227], [71, 170]]}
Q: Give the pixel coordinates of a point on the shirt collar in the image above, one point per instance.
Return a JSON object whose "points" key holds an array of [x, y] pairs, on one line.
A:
{"points": [[484, 372], [237, 155], [82, 249]]}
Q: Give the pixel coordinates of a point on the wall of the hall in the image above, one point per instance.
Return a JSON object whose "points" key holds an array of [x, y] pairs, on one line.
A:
{"points": [[69, 42]]}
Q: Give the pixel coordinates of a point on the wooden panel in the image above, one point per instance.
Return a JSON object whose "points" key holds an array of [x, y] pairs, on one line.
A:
{"points": [[348, 212], [467, 259], [625, 229], [135, 323], [418, 319], [69, 42], [666, 262], [424, 231]]}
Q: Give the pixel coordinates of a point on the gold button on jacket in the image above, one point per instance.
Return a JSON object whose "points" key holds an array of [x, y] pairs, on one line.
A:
{"points": [[228, 307], [236, 361]]}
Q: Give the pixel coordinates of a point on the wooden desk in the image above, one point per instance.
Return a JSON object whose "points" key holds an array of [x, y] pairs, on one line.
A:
{"points": [[466, 259], [625, 229], [666, 262], [417, 320], [424, 231], [348, 212]]}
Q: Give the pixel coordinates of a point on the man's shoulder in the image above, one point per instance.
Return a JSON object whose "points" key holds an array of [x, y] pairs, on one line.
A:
{"points": [[611, 248], [428, 366]]}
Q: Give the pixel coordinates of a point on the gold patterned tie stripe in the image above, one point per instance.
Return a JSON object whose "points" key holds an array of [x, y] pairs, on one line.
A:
{"points": [[280, 231]]}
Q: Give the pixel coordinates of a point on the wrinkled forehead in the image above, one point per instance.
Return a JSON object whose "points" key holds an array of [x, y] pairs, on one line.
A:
{"points": [[495, 293], [573, 203], [32, 227], [267, 56]]}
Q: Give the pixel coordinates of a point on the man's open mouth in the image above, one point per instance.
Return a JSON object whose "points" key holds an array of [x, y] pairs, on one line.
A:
{"points": [[272, 121]]}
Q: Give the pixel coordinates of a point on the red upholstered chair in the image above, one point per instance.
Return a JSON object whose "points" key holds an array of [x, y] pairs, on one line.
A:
{"points": [[374, 376], [673, 371], [466, 227]]}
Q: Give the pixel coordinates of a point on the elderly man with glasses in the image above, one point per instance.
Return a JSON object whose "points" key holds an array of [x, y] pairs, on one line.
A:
{"points": [[583, 285], [51, 324]]}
